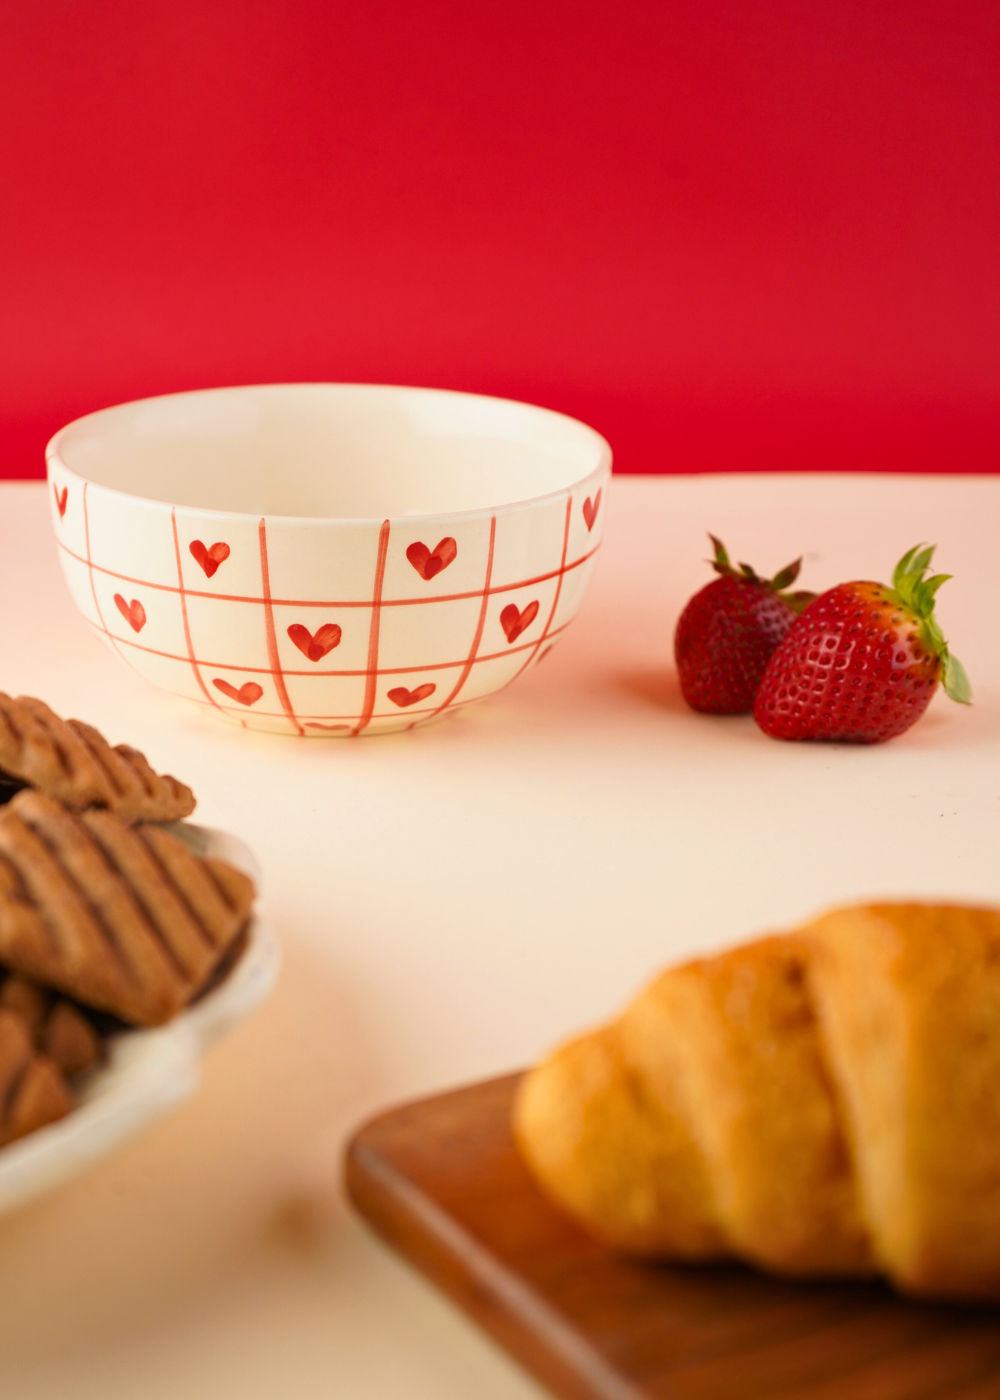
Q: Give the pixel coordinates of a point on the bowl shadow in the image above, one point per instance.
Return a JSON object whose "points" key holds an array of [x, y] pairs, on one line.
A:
{"points": [[656, 687]]}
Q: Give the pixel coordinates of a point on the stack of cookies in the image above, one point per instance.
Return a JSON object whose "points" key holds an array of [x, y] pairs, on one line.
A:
{"points": [[105, 917]]}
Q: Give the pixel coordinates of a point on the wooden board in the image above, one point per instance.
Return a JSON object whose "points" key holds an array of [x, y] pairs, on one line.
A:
{"points": [[441, 1181]]}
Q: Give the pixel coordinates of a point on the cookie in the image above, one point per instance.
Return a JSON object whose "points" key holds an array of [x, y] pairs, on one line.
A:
{"points": [[32, 1090], [57, 1028], [72, 762], [122, 919]]}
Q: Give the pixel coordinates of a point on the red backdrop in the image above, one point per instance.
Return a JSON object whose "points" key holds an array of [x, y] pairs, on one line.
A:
{"points": [[729, 235]]}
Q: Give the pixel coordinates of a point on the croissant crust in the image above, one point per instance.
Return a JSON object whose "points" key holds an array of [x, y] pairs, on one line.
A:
{"points": [[819, 1104]]}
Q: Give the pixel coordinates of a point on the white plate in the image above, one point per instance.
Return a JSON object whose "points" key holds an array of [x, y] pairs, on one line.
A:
{"points": [[147, 1072]]}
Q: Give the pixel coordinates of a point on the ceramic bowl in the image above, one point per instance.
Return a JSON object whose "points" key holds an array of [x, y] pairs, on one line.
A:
{"points": [[328, 559]]}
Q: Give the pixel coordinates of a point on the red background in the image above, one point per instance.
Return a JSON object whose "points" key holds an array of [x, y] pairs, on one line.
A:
{"points": [[730, 235]]}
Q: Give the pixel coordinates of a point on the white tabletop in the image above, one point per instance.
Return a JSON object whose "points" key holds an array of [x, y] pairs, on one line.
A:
{"points": [[450, 902]]}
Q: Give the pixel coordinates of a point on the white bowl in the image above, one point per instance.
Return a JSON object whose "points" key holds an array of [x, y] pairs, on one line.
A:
{"points": [[147, 1072], [328, 559]]}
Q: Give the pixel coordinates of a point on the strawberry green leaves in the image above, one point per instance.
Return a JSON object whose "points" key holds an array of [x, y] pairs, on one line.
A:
{"points": [[918, 594], [783, 579], [955, 682]]}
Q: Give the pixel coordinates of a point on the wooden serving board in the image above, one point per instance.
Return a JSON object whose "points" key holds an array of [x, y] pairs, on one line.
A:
{"points": [[441, 1181]]}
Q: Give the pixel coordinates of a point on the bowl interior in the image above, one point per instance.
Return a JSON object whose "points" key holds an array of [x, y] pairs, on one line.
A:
{"points": [[344, 451]]}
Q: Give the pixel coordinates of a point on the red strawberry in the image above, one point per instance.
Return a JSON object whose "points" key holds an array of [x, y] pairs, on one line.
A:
{"points": [[727, 632], [862, 662]]}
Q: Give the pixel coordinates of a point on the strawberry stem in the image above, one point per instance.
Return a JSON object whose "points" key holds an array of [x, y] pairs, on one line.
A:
{"points": [[783, 579], [916, 593]]}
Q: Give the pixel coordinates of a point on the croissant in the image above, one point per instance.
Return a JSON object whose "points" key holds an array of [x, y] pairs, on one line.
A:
{"points": [[824, 1103]]}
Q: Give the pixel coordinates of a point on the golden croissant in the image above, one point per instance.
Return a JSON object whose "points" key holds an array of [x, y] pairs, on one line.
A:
{"points": [[824, 1103]]}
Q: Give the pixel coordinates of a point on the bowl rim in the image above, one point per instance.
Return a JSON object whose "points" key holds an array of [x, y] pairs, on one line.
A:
{"points": [[598, 473]]}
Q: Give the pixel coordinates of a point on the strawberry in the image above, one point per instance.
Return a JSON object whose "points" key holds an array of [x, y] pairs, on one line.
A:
{"points": [[727, 632], [862, 662]]}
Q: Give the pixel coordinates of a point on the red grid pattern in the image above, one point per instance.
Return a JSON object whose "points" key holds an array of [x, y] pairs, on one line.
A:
{"points": [[470, 660], [184, 614], [272, 639], [376, 603], [317, 671], [564, 568], [371, 679], [546, 630], [308, 720], [91, 568]]}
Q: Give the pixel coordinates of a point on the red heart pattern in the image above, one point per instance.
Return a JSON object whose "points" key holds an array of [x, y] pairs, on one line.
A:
{"points": [[210, 559], [61, 498], [133, 613], [514, 622], [248, 694], [402, 697], [590, 509], [430, 562], [316, 646]]}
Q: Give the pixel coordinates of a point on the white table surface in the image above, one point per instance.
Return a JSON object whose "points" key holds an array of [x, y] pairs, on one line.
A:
{"points": [[453, 900]]}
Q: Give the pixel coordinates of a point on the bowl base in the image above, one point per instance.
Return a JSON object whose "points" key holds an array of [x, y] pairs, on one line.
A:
{"points": [[337, 728]]}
